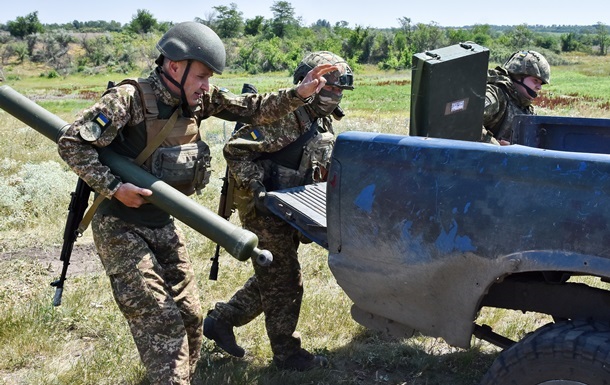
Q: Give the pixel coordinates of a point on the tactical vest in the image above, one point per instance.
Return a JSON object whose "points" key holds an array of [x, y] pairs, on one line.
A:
{"points": [[503, 128], [304, 161], [182, 160]]}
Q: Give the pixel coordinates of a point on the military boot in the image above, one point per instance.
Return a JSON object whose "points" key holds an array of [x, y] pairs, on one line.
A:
{"points": [[301, 361], [222, 334]]}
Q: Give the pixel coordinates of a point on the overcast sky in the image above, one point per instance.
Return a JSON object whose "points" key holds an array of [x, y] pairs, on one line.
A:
{"points": [[365, 13]]}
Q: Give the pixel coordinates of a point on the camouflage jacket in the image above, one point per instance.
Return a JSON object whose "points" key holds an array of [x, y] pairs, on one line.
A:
{"points": [[123, 107], [502, 103], [245, 150]]}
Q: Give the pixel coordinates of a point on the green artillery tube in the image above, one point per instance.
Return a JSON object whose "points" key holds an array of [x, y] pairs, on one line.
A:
{"points": [[238, 242]]}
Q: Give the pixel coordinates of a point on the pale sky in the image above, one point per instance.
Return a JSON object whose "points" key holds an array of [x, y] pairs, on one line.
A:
{"points": [[364, 13]]}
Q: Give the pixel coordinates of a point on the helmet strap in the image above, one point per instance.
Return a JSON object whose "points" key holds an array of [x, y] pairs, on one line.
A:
{"points": [[186, 109], [530, 91]]}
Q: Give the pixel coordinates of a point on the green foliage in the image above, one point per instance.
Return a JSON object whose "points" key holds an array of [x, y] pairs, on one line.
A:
{"points": [[90, 26], [54, 49], [97, 49], [254, 26], [519, 37], [25, 25], [229, 21], [283, 23], [248, 41], [456, 36], [427, 37], [143, 22], [51, 74], [355, 46], [268, 55], [24, 196], [602, 38], [17, 49]]}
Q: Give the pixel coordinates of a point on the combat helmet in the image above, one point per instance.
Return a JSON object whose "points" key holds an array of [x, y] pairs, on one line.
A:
{"points": [[343, 78], [193, 41], [529, 63]]}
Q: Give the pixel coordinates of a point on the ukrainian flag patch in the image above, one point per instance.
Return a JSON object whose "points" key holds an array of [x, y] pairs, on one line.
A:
{"points": [[102, 120], [255, 134]]}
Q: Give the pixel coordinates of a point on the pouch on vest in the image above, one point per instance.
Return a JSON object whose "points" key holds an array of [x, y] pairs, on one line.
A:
{"points": [[185, 167], [316, 158], [285, 177], [314, 164]]}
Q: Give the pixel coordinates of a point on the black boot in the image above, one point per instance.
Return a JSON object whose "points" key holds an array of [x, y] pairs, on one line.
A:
{"points": [[223, 335], [301, 361]]}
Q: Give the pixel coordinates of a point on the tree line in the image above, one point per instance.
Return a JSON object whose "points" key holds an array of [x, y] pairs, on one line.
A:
{"points": [[276, 44]]}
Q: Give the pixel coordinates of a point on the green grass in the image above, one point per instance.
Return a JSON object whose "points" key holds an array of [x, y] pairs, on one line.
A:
{"points": [[86, 340], [568, 82]]}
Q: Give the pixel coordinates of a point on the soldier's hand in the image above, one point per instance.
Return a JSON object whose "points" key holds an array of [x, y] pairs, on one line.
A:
{"points": [[314, 80], [131, 195], [259, 195]]}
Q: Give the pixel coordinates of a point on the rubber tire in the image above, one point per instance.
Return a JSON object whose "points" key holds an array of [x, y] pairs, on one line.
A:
{"points": [[568, 352]]}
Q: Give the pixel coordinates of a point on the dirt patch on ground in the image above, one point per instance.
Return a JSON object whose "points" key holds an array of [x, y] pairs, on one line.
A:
{"points": [[83, 260]]}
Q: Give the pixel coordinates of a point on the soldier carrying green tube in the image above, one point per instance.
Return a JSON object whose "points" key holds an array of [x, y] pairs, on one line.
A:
{"points": [[155, 122]]}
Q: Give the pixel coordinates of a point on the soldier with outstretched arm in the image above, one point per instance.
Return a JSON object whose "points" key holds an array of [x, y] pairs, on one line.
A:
{"points": [[292, 151]]}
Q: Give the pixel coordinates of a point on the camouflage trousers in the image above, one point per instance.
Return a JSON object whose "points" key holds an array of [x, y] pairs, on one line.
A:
{"points": [[276, 290], [154, 286]]}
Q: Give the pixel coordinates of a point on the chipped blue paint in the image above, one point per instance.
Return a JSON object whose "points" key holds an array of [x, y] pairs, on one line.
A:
{"points": [[406, 229], [450, 241], [365, 199], [583, 166]]}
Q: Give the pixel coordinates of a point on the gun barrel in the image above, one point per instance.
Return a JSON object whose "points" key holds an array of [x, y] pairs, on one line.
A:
{"points": [[238, 242]]}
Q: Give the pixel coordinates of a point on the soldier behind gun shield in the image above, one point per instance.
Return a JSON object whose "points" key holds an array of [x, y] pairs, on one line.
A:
{"points": [[511, 89], [293, 151]]}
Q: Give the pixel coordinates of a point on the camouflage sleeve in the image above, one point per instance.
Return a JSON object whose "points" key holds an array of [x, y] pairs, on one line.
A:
{"points": [[247, 144], [495, 103], [257, 109], [97, 127]]}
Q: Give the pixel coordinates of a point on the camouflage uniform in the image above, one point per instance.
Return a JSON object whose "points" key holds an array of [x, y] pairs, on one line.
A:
{"points": [[502, 103], [502, 99], [278, 289], [261, 154], [142, 251]]}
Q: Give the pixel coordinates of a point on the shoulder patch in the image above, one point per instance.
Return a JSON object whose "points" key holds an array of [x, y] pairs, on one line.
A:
{"points": [[251, 133], [102, 120], [223, 89], [93, 129]]}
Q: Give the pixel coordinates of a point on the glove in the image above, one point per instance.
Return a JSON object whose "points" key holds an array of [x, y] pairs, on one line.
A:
{"points": [[259, 195]]}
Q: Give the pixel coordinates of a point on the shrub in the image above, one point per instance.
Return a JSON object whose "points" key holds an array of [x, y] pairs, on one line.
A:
{"points": [[28, 196]]}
